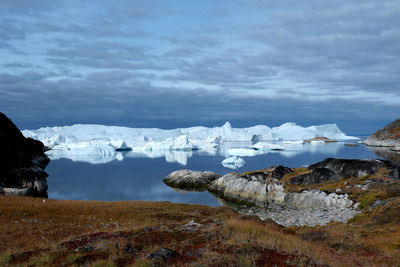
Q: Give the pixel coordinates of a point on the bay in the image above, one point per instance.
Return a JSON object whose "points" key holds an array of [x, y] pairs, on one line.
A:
{"points": [[134, 177]]}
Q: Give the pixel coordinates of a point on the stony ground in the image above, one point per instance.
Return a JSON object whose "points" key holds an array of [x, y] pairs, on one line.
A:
{"points": [[75, 233]]}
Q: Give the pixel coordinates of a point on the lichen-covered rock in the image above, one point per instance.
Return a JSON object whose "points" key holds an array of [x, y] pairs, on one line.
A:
{"points": [[269, 188], [248, 189], [317, 199], [22, 162], [190, 179], [389, 136]]}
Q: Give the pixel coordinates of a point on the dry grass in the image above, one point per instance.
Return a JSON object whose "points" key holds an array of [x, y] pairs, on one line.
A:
{"points": [[264, 171], [74, 233], [296, 172]]}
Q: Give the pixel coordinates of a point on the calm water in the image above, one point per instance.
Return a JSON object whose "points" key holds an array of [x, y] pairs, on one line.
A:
{"points": [[140, 178]]}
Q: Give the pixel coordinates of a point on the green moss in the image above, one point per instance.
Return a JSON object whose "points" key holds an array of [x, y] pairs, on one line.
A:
{"points": [[365, 177], [368, 198], [359, 217]]}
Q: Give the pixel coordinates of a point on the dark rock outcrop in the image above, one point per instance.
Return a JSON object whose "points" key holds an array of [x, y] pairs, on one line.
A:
{"points": [[388, 136], [334, 169], [346, 168], [22, 162], [315, 176], [278, 172]]}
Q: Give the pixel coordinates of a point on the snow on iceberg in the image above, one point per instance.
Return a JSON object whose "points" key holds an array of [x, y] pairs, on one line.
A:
{"points": [[267, 146], [233, 162]]}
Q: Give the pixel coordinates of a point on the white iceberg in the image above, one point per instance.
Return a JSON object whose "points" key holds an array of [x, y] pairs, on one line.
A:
{"points": [[317, 142], [298, 142], [267, 146], [233, 162], [243, 152], [76, 140]]}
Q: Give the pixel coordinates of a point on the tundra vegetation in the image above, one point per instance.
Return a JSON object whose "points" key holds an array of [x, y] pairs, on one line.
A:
{"points": [[37, 232]]}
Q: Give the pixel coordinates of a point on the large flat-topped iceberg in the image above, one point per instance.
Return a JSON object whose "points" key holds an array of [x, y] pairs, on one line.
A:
{"points": [[101, 141]]}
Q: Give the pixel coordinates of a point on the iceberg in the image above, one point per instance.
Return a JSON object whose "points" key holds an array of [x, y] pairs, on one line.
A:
{"points": [[267, 146], [233, 162], [243, 152], [298, 142], [100, 143]]}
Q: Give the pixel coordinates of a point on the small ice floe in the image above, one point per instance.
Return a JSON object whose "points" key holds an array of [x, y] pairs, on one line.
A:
{"points": [[233, 162]]}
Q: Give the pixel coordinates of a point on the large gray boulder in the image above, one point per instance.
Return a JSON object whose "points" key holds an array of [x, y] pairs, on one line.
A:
{"points": [[389, 136], [259, 189], [187, 179], [250, 189]]}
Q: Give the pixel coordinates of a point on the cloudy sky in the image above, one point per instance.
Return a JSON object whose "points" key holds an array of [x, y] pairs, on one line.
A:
{"points": [[159, 63]]}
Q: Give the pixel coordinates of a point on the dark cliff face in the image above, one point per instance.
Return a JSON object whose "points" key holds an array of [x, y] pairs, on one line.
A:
{"points": [[22, 160]]}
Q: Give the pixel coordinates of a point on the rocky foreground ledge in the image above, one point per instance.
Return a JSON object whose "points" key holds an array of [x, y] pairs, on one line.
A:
{"points": [[326, 191], [389, 136], [22, 162]]}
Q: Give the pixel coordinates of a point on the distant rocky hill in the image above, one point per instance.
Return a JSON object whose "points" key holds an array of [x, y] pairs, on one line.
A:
{"points": [[389, 136], [22, 162]]}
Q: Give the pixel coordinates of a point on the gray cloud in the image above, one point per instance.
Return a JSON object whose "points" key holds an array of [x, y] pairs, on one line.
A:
{"points": [[168, 65]]}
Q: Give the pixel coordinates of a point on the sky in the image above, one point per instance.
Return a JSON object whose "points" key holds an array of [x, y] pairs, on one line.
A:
{"points": [[169, 64]]}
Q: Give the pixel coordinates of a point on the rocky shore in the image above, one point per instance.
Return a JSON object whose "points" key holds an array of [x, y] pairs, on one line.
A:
{"points": [[22, 162], [311, 196], [389, 136]]}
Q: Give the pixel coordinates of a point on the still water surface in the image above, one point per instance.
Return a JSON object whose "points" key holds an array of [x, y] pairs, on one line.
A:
{"points": [[139, 178]]}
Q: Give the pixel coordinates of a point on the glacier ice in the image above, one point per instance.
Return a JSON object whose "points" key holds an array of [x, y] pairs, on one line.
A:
{"points": [[100, 143], [233, 162]]}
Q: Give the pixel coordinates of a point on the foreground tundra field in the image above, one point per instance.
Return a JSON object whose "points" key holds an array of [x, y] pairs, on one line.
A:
{"points": [[37, 232]]}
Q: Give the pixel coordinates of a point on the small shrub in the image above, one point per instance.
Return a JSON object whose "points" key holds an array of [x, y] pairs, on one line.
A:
{"points": [[5, 258]]}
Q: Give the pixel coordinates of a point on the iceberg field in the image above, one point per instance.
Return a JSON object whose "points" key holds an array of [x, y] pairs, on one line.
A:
{"points": [[100, 143]]}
